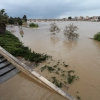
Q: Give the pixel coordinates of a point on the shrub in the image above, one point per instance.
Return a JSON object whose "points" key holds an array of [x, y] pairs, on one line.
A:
{"points": [[69, 31], [54, 28], [33, 25], [97, 36], [65, 64], [70, 78], [56, 82]]}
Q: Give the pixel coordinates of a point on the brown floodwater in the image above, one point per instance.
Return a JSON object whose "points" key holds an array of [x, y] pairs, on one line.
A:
{"points": [[22, 87], [82, 55]]}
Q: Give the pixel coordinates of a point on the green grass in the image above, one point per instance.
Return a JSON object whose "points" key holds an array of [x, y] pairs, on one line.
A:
{"points": [[12, 44], [97, 36], [33, 25]]}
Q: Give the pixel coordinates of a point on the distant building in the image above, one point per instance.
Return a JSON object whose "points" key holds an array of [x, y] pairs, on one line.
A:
{"points": [[81, 18], [64, 19], [95, 18], [75, 18], [45, 20], [87, 18], [34, 20]]}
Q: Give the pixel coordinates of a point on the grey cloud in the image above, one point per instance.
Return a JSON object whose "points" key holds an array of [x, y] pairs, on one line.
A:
{"points": [[50, 8]]}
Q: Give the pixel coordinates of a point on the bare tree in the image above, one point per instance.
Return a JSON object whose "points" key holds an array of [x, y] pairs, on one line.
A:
{"points": [[70, 31], [54, 28]]}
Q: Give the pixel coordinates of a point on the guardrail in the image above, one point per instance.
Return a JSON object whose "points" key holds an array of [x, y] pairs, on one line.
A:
{"points": [[37, 77]]}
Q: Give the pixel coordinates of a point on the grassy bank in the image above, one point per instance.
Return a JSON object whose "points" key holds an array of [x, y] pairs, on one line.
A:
{"points": [[12, 44], [97, 36]]}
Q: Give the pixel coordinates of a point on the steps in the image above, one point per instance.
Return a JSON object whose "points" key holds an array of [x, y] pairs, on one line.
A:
{"points": [[7, 70]]}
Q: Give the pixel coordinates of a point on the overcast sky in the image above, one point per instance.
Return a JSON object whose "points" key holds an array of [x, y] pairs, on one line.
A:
{"points": [[51, 8]]}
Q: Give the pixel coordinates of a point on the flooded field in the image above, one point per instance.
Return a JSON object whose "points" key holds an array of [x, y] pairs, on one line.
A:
{"points": [[82, 55]]}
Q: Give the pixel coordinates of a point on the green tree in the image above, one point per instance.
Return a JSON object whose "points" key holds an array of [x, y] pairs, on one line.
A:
{"points": [[3, 16], [69, 17], [25, 18], [11, 20], [20, 22], [3, 20]]}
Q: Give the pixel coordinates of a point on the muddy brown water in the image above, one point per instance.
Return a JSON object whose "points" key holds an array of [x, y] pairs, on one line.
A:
{"points": [[82, 55], [22, 87]]}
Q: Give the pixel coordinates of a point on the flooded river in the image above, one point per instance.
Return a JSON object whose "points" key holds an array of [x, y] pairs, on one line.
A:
{"points": [[22, 87], [82, 55]]}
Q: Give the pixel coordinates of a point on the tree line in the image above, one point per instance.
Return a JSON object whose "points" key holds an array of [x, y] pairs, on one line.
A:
{"points": [[5, 19]]}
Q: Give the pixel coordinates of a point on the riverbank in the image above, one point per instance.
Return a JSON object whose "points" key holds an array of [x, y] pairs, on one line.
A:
{"points": [[12, 44]]}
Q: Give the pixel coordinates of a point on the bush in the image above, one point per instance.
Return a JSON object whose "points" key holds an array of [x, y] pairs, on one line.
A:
{"points": [[33, 25], [97, 36], [54, 28], [69, 31]]}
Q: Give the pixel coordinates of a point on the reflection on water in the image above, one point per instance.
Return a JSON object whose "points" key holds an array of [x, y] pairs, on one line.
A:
{"points": [[71, 44], [54, 39], [97, 44], [82, 55], [21, 31], [11, 29]]}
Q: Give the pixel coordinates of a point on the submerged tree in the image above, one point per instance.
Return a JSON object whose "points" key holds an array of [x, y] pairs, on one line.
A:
{"points": [[54, 28], [70, 31]]}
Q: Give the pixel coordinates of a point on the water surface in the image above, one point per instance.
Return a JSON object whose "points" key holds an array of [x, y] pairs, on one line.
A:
{"points": [[83, 55]]}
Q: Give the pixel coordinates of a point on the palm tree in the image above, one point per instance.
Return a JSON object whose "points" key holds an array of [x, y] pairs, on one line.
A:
{"points": [[2, 11], [3, 16], [3, 20]]}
